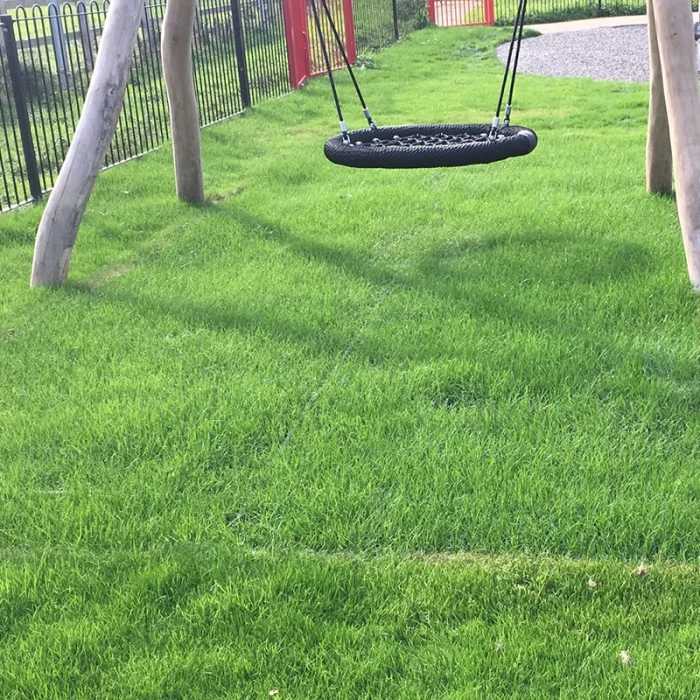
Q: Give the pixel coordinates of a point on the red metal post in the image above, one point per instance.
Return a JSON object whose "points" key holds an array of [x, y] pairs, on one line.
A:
{"points": [[349, 19], [431, 11], [296, 30], [489, 12]]}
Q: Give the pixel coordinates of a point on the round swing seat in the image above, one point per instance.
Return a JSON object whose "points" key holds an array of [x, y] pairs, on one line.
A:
{"points": [[429, 146]]}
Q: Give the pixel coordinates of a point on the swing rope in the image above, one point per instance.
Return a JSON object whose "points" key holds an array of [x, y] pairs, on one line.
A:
{"points": [[515, 42], [348, 65], [509, 106], [326, 59]]}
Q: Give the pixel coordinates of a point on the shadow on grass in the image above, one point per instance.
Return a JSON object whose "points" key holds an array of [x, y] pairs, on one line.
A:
{"points": [[468, 273], [566, 259], [224, 315], [557, 259], [471, 272]]}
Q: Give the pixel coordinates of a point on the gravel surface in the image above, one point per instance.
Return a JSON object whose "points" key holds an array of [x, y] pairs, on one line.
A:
{"points": [[607, 53]]}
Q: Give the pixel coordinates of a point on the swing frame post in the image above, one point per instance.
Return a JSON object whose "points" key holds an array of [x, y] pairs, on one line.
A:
{"points": [[659, 160], [674, 29]]}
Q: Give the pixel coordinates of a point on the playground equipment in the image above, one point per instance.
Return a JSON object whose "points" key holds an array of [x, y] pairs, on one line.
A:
{"points": [[428, 145], [673, 137]]}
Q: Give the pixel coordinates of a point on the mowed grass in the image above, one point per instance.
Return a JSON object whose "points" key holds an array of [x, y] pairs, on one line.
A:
{"points": [[360, 434]]}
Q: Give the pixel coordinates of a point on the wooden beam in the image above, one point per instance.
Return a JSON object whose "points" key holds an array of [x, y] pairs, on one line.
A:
{"points": [[673, 20], [64, 211], [176, 49], [659, 161]]}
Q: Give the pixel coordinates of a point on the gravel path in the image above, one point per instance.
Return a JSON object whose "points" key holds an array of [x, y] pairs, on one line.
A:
{"points": [[606, 53]]}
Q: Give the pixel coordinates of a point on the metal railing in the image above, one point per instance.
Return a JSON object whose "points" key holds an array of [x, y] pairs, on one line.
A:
{"points": [[562, 10], [379, 23], [454, 13], [47, 56]]}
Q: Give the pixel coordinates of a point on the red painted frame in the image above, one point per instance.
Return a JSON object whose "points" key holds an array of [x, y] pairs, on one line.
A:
{"points": [[296, 29], [489, 14], [349, 17], [296, 26]]}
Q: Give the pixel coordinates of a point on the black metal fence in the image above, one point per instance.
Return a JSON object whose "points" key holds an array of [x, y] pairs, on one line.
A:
{"points": [[379, 23], [46, 60], [561, 10]]}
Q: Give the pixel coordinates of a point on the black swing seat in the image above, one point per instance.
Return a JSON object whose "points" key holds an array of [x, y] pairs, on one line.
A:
{"points": [[429, 146]]}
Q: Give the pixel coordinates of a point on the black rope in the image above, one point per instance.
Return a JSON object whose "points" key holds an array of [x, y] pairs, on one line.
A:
{"points": [[343, 53], [509, 105], [324, 51], [517, 24], [515, 45]]}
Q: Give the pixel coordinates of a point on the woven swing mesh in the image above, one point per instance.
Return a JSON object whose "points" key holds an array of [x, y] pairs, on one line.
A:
{"points": [[429, 146], [421, 140]]}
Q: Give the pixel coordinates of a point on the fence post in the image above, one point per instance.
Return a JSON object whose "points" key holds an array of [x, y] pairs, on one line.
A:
{"points": [[241, 60], [25, 130], [296, 30], [489, 12], [59, 43], [197, 17], [395, 16], [147, 28], [85, 36], [3, 11], [349, 20], [431, 11]]}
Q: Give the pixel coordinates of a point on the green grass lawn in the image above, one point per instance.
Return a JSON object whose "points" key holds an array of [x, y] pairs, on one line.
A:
{"points": [[360, 434]]}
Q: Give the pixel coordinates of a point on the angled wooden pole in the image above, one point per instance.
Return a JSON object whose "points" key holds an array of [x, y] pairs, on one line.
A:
{"points": [[673, 20], [659, 161], [176, 49], [64, 211]]}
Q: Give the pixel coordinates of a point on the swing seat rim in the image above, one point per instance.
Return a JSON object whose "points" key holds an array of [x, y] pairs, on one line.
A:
{"points": [[512, 141]]}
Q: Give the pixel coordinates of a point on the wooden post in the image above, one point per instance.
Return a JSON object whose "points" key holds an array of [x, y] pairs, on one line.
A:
{"points": [[659, 158], [64, 211], [176, 49], [673, 21]]}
